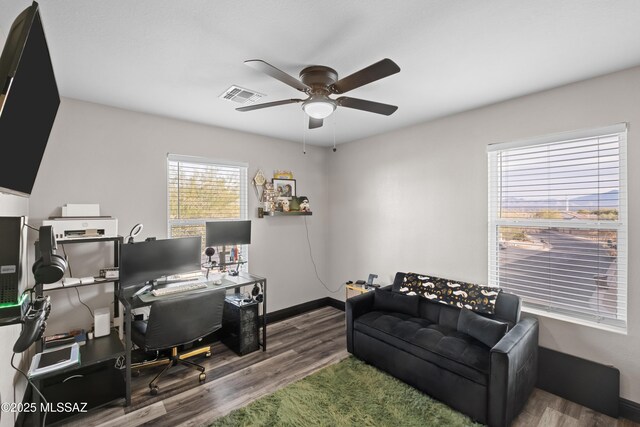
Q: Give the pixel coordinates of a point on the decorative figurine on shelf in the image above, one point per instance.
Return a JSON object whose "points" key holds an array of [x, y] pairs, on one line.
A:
{"points": [[304, 204], [285, 205], [269, 197], [294, 204]]}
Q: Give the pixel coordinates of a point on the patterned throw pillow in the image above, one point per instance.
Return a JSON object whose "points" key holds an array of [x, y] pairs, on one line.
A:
{"points": [[458, 294]]}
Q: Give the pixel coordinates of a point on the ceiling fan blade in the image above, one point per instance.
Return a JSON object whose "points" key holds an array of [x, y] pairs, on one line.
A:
{"points": [[362, 104], [374, 72], [315, 123], [268, 104], [277, 74]]}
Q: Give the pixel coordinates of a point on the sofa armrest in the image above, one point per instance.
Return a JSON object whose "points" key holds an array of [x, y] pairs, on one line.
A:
{"points": [[514, 372], [356, 307]]}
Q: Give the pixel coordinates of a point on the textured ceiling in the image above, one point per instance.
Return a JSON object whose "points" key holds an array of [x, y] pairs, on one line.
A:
{"points": [[174, 58]]}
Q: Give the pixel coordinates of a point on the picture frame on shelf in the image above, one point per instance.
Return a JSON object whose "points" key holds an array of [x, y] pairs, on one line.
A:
{"points": [[281, 174], [284, 187]]}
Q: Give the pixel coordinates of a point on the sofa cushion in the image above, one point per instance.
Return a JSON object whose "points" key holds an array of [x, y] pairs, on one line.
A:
{"points": [[485, 330], [394, 302], [443, 346]]}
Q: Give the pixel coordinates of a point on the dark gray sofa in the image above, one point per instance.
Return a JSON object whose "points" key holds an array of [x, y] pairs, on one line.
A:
{"points": [[490, 385]]}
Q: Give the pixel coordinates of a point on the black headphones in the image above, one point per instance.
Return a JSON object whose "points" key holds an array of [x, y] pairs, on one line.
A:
{"points": [[257, 293], [49, 268]]}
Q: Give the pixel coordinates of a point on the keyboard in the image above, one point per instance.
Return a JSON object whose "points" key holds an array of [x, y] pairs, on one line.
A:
{"points": [[195, 275], [177, 288]]}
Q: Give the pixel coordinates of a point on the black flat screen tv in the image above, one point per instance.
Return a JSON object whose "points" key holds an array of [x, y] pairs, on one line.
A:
{"points": [[29, 101]]}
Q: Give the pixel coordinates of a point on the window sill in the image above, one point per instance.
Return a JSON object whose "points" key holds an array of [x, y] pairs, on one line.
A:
{"points": [[569, 319]]}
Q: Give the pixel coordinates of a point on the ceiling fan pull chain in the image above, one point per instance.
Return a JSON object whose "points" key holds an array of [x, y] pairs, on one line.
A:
{"points": [[334, 133], [304, 133]]}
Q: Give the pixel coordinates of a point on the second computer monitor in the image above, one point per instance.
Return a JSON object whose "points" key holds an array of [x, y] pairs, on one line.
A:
{"points": [[221, 233], [146, 261]]}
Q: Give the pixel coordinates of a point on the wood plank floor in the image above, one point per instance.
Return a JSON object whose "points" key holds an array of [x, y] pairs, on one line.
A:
{"points": [[297, 347]]}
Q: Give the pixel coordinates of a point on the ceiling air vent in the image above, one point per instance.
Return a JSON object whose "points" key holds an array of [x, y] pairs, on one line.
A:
{"points": [[241, 95]]}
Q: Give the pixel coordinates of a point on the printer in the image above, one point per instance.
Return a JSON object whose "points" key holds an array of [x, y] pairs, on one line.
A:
{"points": [[74, 228]]}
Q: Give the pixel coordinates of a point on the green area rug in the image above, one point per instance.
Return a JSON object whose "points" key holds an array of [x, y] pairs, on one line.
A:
{"points": [[349, 393]]}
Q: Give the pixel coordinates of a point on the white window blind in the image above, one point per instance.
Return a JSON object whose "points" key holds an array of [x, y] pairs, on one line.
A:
{"points": [[201, 190], [558, 224]]}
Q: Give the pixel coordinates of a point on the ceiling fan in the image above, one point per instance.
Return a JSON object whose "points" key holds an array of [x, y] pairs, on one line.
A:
{"points": [[318, 82]]}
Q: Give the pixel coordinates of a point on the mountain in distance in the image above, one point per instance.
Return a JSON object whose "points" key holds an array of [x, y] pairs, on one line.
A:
{"points": [[610, 199], [607, 200]]}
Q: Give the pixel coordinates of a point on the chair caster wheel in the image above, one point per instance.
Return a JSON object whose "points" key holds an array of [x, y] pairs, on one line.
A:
{"points": [[135, 373], [154, 390], [207, 354], [202, 377]]}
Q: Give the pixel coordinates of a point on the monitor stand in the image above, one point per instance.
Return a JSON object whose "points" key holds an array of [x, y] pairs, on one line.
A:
{"points": [[222, 258], [223, 263], [209, 265]]}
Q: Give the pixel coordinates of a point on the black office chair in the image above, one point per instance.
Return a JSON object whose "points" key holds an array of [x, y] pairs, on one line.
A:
{"points": [[176, 321]]}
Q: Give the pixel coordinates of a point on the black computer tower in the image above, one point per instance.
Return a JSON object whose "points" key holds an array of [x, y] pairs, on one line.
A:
{"points": [[13, 270], [240, 325]]}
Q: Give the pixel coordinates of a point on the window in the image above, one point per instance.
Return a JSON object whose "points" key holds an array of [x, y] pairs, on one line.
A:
{"points": [[558, 225], [201, 190]]}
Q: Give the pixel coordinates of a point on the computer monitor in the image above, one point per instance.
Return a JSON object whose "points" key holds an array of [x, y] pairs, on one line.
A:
{"points": [[146, 261], [221, 233]]}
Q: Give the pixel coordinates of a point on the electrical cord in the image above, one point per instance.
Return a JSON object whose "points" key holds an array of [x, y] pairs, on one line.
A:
{"points": [[82, 302], [314, 263], [44, 415], [30, 290], [31, 227], [64, 251]]}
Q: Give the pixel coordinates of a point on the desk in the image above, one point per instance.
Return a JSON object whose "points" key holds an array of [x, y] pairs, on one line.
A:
{"points": [[76, 384], [129, 302]]}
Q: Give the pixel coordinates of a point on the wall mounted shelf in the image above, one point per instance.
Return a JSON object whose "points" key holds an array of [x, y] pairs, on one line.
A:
{"points": [[263, 214]]}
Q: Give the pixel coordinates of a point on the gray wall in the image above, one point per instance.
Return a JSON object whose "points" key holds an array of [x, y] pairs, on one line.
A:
{"points": [[416, 200], [117, 158]]}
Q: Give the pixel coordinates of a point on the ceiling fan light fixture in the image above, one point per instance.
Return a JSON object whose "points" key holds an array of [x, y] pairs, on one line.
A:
{"points": [[319, 81], [319, 108]]}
